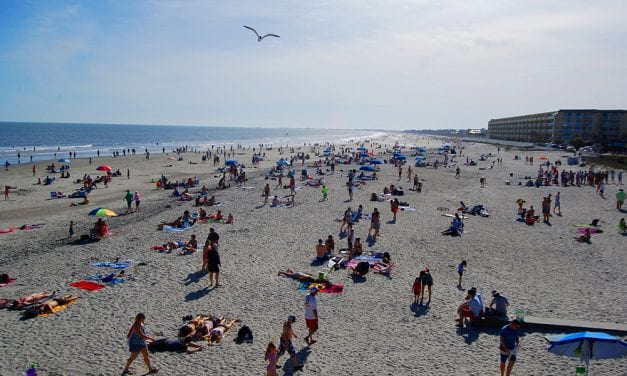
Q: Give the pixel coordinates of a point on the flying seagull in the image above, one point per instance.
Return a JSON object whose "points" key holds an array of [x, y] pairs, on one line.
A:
{"points": [[259, 38]]}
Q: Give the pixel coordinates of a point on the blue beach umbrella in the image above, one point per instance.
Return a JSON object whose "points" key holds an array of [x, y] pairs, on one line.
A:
{"points": [[231, 162], [400, 156], [376, 161], [64, 160], [282, 162], [361, 148], [364, 155], [366, 168], [420, 157], [589, 345]]}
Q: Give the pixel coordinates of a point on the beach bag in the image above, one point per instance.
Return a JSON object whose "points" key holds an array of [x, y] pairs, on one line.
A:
{"points": [[244, 335], [4, 278]]}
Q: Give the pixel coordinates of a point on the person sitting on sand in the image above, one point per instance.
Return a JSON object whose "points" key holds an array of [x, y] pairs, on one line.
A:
{"points": [[202, 214], [357, 249], [217, 216], [230, 219], [191, 246], [322, 253], [330, 243], [384, 266], [585, 237], [216, 334], [302, 277], [275, 201], [211, 201], [470, 309], [175, 345], [622, 227], [456, 226], [530, 217]]}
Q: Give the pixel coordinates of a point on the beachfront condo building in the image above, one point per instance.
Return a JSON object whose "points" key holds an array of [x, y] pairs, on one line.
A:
{"points": [[607, 127]]}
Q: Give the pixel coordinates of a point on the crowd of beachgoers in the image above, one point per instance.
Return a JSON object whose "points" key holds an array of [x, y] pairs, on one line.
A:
{"points": [[397, 253]]}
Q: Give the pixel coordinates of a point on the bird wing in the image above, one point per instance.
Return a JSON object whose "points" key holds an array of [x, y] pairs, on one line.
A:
{"points": [[253, 30], [270, 35]]}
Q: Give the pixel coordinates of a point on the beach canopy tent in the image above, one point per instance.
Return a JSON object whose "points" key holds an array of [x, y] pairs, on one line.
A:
{"points": [[104, 168], [102, 212], [589, 345], [282, 162], [420, 163], [376, 161], [366, 168], [231, 162], [64, 160], [420, 157], [399, 157]]}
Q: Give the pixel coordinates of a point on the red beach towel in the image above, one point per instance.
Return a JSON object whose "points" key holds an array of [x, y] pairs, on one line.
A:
{"points": [[87, 285]]}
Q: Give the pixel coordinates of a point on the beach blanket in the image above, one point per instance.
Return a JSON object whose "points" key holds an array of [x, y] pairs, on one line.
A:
{"points": [[328, 288], [174, 229], [6, 231], [11, 280], [211, 220], [31, 227], [87, 285], [453, 216], [109, 279], [407, 208], [118, 265], [593, 230], [58, 308]]}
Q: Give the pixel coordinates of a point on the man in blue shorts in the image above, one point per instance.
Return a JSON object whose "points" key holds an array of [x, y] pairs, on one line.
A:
{"points": [[509, 345]]}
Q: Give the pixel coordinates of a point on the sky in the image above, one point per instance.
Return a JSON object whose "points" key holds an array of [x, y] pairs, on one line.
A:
{"points": [[363, 64]]}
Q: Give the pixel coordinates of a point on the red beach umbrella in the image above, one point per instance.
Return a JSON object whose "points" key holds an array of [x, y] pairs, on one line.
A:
{"points": [[104, 168]]}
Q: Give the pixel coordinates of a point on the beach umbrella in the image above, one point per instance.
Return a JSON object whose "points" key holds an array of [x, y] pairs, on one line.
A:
{"points": [[230, 162], [361, 148], [102, 212], [64, 160], [420, 157], [282, 162], [400, 156], [364, 155], [366, 168], [589, 345], [543, 158], [104, 168], [328, 150], [376, 161]]}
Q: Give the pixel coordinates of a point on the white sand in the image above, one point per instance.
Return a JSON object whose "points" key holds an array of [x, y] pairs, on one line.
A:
{"points": [[368, 329]]}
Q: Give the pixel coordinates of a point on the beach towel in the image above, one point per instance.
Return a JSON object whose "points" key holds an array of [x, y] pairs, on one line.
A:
{"points": [[407, 208], [6, 231], [31, 227], [105, 264], [58, 308], [11, 280], [87, 285], [174, 229], [593, 230], [328, 288]]}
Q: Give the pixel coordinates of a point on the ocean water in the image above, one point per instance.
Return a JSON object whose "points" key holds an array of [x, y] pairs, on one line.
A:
{"points": [[47, 141]]}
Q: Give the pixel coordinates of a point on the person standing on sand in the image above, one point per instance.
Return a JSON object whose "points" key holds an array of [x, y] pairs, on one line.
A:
{"points": [[408, 174], [71, 228], [279, 181], [460, 271], [137, 337], [6, 192], [292, 185], [138, 200], [213, 265], [375, 224], [394, 207], [509, 344], [34, 170], [213, 238], [400, 171], [558, 205], [620, 198], [266, 193], [285, 343], [311, 315], [129, 200]]}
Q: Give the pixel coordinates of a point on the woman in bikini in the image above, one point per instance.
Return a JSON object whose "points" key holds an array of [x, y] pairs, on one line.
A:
{"points": [[216, 334]]}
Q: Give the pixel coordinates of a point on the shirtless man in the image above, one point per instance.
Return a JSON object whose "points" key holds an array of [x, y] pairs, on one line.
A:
{"points": [[285, 343], [191, 246], [321, 249]]}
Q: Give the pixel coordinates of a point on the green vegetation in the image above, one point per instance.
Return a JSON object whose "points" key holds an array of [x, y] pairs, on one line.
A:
{"points": [[611, 161]]}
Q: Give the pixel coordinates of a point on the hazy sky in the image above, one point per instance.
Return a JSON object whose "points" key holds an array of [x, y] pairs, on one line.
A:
{"points": [[339, 63]]}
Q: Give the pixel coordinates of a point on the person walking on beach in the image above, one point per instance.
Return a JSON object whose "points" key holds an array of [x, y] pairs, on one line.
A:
{"points": [[292, 185], [558, 205], [311, 315], [213, 238], [138, 200], [213, 265], [285, 343], [137, 338], [509, 344], [620, 199], [279, 181], [34, 170], [375, 224], [460, 271], [400, 171], [409, 174], [349, 186], [71, 228], [6, 192], [128, 173], [457, 171], [266, 193], [325, 193], [129, 200], [427, 283], [394, 204]]}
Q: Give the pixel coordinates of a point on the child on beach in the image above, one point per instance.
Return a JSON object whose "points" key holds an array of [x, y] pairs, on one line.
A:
{"points": [[417, 288], [71, 228], [325, 193], [460, 271], [270, 358], [138, 200]]}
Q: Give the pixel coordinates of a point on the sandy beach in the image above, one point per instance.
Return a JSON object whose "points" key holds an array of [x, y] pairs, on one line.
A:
{"points": [[371, 328]]}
